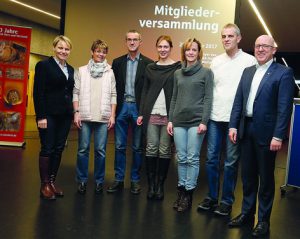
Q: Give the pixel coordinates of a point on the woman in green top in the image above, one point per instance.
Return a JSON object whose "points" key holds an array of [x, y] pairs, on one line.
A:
{"points": [[188, 116]]}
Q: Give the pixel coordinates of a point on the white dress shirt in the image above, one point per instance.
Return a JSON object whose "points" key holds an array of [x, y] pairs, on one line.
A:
{"points": [[257, 78], [64, 67]]}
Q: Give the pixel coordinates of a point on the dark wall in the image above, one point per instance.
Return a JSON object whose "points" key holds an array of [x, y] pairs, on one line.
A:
{"points": [[280, 18]]}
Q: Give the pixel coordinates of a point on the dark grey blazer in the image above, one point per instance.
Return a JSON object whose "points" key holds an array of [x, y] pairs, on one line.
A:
{"points": [[119, 66]]}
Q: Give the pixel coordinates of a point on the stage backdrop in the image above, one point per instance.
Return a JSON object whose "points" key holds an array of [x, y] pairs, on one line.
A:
{"points": [[109, 20]]}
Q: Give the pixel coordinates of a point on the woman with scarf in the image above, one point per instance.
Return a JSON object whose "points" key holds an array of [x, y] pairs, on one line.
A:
{"points": [[94, 103], [154, 107], [189, 113]]}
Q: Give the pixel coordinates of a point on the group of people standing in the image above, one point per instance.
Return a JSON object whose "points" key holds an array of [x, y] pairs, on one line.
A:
{"points": [[241, 100]]}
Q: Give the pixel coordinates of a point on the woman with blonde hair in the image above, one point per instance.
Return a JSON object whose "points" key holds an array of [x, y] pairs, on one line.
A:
{"points": [[52, 95], [188, 116]]}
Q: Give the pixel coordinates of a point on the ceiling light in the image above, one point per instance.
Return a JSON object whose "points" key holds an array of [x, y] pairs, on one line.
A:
{"points": [[36, 9], [262, 21]]}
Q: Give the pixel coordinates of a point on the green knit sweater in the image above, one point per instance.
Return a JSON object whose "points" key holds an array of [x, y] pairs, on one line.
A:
{"points": [[192, 96]]}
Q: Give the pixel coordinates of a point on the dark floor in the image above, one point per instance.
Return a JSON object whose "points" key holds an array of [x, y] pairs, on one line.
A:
{"points": [[24, 215]]}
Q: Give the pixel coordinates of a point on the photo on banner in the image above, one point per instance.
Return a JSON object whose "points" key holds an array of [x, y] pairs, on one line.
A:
{"points": [[14, 63], [110, 20]]}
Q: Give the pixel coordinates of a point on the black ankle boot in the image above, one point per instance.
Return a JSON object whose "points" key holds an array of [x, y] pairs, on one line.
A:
{"points": [[186, 202], [180, 193]]}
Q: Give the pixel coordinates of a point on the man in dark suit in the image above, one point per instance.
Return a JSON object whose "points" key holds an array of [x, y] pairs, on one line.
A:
{"points": [[129, 72], [259, 118]]}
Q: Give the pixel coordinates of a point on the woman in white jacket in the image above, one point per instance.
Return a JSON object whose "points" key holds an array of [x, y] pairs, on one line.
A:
{"points": [[94, 102]]}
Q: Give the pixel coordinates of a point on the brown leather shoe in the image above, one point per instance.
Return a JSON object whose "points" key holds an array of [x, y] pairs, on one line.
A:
{"points": [[57, 191], [46, 192]]}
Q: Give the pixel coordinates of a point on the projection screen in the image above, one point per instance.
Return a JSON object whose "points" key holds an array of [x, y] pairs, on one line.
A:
{"points": [[109, 20]]}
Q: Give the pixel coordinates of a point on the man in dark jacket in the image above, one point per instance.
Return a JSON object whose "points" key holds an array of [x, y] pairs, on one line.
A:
{"points": [[129, 72], [259, 118]]}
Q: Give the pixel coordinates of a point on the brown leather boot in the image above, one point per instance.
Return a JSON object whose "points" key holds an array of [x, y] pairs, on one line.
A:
{"points": [[46, 190], [54, 166], [57, 191]]}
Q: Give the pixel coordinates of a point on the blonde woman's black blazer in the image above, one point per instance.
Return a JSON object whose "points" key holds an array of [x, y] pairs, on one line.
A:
{"points": [[52, 92]]}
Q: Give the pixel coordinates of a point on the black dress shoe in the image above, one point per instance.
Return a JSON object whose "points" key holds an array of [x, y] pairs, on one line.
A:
{"points": [[116, 186], [99, 188], [261, 229], [241, 220], [81, 188], [135, 188]]}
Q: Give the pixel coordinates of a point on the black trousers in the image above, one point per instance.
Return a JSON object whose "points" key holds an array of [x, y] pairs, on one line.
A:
{"points": [[258, 164], [53, 139]]}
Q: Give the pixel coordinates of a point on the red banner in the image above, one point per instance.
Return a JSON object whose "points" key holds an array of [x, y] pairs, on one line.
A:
{"points": [[14, 64]]}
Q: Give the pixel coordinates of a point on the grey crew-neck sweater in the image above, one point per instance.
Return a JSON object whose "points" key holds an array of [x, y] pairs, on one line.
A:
{"points": [[192, 96]]}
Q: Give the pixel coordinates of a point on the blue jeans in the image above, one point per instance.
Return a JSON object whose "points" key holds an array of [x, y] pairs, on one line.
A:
{"points": [[128, 115], [188, 145], [84, 140], [217, 132]]}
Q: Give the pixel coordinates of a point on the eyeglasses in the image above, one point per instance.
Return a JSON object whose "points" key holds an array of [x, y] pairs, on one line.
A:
{"points": [[132, 39], [263, 46]]}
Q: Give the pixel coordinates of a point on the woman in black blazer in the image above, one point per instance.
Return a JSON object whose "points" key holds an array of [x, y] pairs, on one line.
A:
{"points": [[52, 95]]}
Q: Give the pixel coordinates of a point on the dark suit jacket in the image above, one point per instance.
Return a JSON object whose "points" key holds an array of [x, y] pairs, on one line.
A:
{"points": [[52, 92], [272, 105], [119, 67]]}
